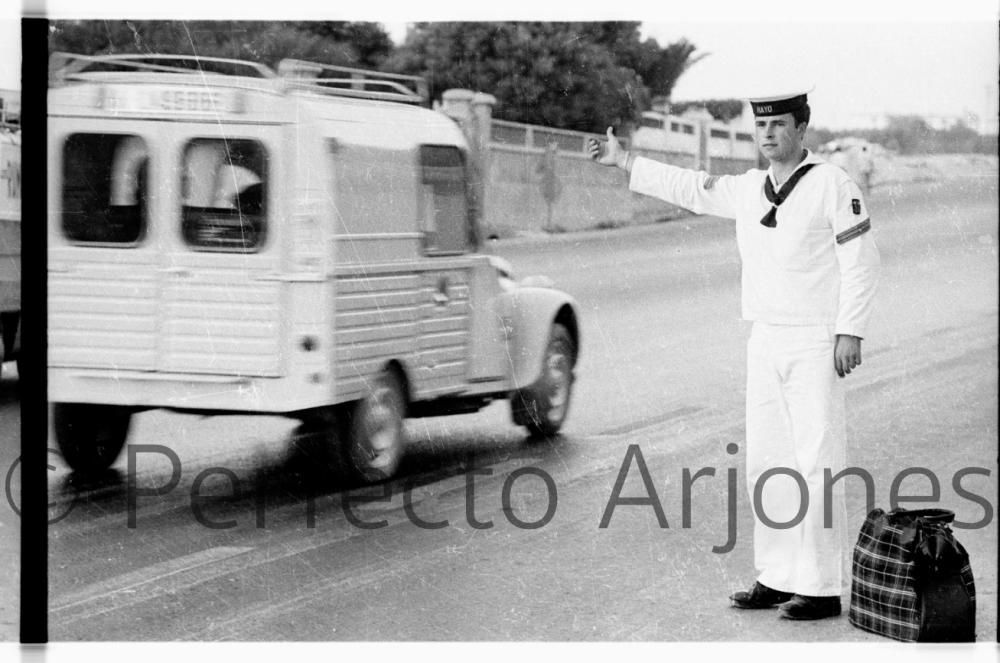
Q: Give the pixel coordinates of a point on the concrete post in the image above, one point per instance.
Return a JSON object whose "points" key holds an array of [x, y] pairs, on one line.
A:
{"points": [[703, 120], [479, 141], [482, 111], [457, 104], [473, 111]]}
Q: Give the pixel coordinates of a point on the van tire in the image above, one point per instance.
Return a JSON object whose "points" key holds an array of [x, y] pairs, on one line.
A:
{"points": [[90, 437], [542, 407], [372, 430]]}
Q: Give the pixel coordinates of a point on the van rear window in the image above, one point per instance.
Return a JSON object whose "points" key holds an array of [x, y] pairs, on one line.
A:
{"points": [[105, 188], [445, 209], [224, 193]]}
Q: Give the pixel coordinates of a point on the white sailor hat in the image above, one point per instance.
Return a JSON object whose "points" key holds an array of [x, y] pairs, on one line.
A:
{"points": [[780, 103]]}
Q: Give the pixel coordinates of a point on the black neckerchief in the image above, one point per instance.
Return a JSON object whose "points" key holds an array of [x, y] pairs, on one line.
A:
{"points": [[770, 219]]}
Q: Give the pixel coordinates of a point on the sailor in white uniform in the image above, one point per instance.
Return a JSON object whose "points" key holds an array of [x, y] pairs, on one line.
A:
{"points": [[809, 272]]}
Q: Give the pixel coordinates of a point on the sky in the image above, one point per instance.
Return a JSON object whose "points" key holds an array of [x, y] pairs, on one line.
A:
{"points": [[857, 69], [862, 58], [10, 52]]}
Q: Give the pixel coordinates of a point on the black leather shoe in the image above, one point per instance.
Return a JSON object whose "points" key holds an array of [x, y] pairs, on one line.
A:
{"points": [[810, 607], [759, 597]]}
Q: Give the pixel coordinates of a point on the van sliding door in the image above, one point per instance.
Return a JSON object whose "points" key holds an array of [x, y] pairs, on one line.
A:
{"points": [[447, 241]]}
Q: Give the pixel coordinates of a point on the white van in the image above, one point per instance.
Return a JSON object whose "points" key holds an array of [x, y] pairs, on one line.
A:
{"points": [[224, 239]]}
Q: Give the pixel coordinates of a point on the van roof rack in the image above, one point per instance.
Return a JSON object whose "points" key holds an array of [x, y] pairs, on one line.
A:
{"points": [[352, 82], [292, 74], [69, 66]]}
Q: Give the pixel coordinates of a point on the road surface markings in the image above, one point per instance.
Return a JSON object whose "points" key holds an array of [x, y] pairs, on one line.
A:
{"points": [[129, 583], [190, 570], [649, 422]]}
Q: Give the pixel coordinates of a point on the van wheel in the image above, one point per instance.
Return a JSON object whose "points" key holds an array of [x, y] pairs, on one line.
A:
{"points": [[90, 437], [542, 407], [373, 433]]}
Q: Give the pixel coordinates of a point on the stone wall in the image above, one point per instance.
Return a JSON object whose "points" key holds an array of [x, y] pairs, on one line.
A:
{"points": [[541, 179], [588, 195]]}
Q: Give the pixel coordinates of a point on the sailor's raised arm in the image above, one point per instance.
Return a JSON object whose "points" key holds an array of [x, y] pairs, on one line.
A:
{"points": [[691, 189]]}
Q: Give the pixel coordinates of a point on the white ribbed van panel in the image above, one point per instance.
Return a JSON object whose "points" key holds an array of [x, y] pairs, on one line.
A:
{"points": [[221, 321], [103, 314]]}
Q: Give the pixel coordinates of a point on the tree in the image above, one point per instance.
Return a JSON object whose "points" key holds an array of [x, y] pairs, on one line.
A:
{"points": [[907, 133], [958, 138], [353, 44], [722, 110], [542, 73], [661, 68], [571, 75], [370, 41]]}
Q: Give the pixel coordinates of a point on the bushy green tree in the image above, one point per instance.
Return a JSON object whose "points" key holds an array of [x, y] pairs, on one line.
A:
{"points": [[543, 73], [658, 67], [907, 133], [370, 42], [722, 110], [581, 76], [352, 44]]}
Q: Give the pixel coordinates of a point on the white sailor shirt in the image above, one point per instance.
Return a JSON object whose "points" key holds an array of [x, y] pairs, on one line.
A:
{"points": [[818, 266]]}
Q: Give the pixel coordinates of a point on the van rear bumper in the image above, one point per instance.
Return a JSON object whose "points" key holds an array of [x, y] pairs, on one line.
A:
{"points": [[185, 391]]}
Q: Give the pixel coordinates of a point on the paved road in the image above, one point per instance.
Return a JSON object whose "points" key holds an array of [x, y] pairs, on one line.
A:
{"points": [[661, 374], [10, 534]]}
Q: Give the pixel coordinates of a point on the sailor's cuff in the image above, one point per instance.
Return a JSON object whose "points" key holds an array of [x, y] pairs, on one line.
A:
{"points": [[629, 160], [845, 330]]}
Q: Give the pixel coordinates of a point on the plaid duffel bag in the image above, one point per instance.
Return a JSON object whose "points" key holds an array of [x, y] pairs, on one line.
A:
{"points": [[911, 579]]}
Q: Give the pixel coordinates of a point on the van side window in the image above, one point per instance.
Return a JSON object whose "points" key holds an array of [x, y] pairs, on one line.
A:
{"points": [[224, 193], [444, 200], [375, 189], [105, 188]]}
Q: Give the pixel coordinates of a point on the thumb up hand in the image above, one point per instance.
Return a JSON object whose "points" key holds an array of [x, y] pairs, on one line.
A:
{"points": [[609, 153]]}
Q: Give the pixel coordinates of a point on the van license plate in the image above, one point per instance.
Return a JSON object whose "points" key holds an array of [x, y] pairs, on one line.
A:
{"points": [[171, 100]]}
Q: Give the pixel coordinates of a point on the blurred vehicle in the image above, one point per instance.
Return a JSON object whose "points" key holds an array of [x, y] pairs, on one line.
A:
{"points": [[10, 242], [225, 239], [856, 156]]}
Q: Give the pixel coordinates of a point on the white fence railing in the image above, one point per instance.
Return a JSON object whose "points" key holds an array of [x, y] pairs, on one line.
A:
{"points": [[662, 133], [538, 137]]}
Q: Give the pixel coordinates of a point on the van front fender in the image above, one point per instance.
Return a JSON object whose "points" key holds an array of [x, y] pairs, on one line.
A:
{"points": [[529, 314]]}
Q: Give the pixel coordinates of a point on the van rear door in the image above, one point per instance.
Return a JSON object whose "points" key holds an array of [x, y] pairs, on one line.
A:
{"points": [[104, 258], [222, 301], [164, 254]]}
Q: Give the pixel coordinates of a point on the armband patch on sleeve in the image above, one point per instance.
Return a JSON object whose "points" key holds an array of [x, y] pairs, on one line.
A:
{"points": [[856, 206], [856, 231], [709, 182]]}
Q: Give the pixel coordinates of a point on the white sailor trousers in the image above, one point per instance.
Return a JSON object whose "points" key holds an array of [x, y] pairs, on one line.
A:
{"points": [[795, 431]]}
